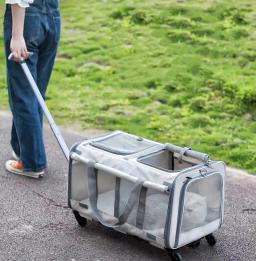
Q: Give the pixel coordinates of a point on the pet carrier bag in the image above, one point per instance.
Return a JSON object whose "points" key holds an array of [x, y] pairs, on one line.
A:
{"points": [[167, 195]]}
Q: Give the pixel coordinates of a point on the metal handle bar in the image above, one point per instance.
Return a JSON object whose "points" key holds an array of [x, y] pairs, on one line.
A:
{"points": [[43, 105], [120, 174], [187, 152]]}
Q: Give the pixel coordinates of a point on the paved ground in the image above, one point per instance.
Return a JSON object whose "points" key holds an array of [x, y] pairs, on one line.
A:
{"points": [[36, 224]]}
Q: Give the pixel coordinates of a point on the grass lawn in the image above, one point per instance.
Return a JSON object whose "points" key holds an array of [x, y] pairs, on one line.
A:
{"points": [[174, 71]]}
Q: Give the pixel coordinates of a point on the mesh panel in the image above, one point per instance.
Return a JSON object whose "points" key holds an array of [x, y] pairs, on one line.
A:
{"points": [[165, 160], [106, 192], [155, 205], [123, 144], [202, 204], [155, 212], [162, 160]]}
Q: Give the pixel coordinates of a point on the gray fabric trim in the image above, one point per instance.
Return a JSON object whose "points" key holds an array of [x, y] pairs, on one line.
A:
{"points": [[167, 184], [172, 160], [151, 237], [117, 197], [82, 205], [93, 199], [180, 211], [182, 153], [141, 208], [70, 168], [168, 217], [78, 152]]}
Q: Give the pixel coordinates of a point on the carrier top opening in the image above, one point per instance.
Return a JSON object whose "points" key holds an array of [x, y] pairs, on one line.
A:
{"points": [[122, 143]]}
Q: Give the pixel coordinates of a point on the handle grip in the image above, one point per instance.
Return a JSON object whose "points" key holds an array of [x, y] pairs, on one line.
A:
{"points": [[11, 57], [43, 105]]}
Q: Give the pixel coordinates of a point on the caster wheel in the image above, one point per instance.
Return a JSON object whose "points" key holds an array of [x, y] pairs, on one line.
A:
{"points": [[211, 240], [80, 220], [195, 244], [174, 255]]}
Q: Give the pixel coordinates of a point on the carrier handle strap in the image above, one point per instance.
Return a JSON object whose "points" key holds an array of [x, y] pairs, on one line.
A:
{"points": [[182, 153], [93, 199]]}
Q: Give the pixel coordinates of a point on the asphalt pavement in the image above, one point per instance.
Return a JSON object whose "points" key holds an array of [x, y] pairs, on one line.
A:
{"points": [[36, 223]]}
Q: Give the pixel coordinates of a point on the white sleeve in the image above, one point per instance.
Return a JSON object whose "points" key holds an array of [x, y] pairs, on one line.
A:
{"points": [[21, 3]]}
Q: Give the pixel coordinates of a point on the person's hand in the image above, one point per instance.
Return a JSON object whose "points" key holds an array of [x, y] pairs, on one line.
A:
{"points": [[18, 48]]}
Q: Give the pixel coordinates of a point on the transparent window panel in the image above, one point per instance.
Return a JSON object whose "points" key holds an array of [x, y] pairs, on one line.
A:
{"points": [[202, 206]]}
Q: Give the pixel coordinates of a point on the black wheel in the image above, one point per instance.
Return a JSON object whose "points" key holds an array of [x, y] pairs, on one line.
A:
{"points": [[174, 255], [211, 240], [195, 244], [80, 220]]}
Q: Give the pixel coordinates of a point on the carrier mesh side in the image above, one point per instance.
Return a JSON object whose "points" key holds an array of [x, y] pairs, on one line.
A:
{"points": [[123, 144]]}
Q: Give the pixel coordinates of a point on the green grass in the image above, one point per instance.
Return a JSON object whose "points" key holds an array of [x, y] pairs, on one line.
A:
{"points": [[174, 71]]}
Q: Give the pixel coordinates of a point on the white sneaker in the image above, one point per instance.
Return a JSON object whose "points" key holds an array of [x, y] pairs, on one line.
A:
{"points": [[14, 156], [16, 167]]}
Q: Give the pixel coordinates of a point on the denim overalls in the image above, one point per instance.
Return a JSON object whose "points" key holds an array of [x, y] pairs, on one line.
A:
{"points": [[41, 33]]}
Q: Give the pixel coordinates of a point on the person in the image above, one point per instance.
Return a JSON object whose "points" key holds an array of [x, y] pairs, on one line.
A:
{"points": [[29, 26]]}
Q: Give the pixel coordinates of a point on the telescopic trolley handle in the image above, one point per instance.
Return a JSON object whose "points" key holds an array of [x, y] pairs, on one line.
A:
{"points": [[43, 105]]}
